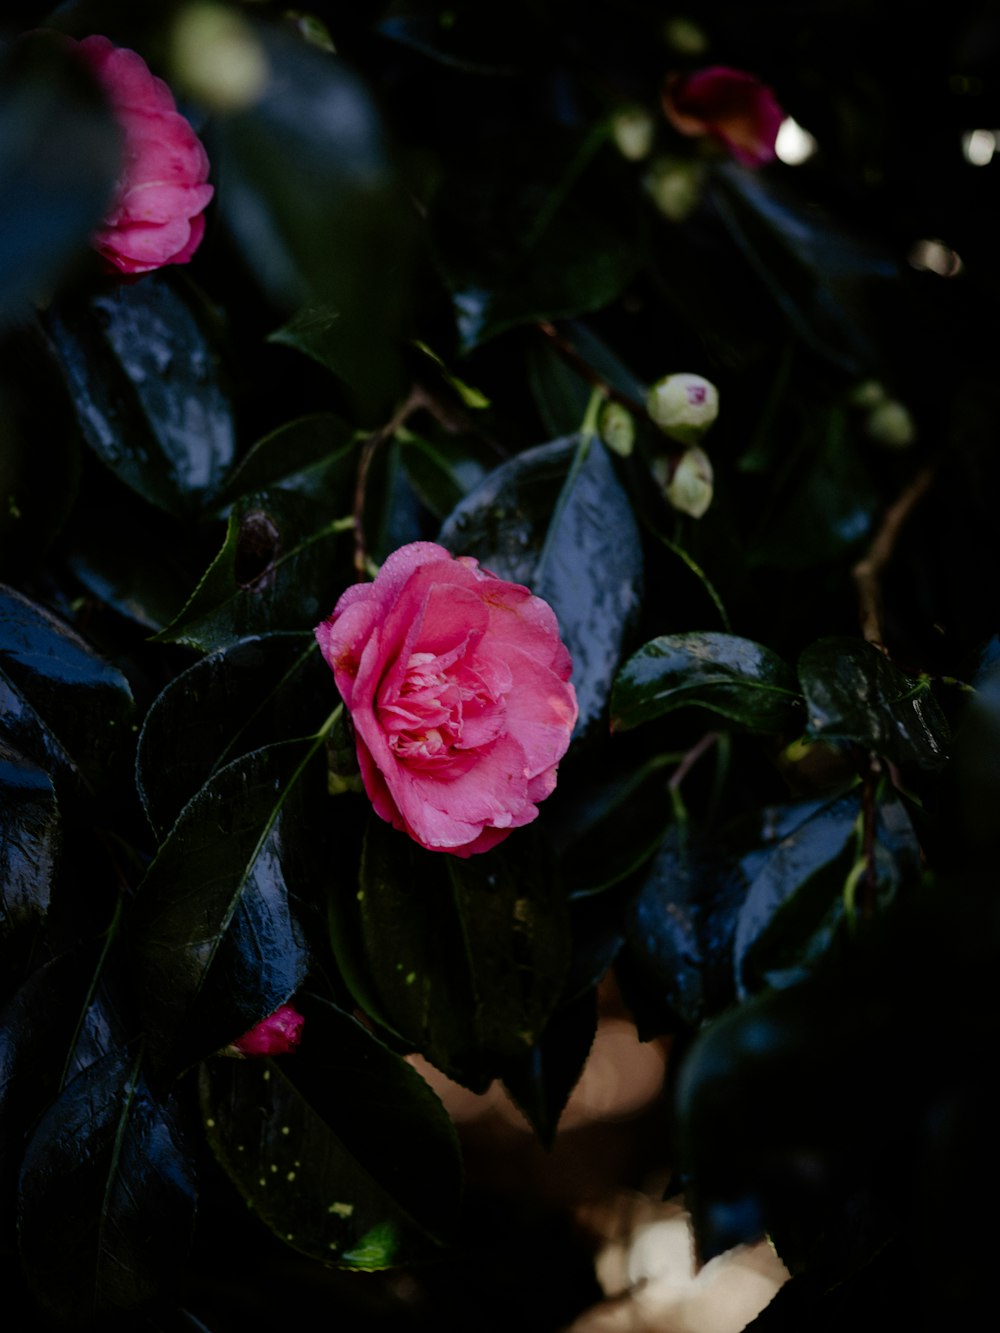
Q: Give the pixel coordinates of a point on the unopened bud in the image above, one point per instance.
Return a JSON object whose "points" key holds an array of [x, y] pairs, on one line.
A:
{"points": [[675, 185], [869, 393], [687, 484], [218, 58], [891, 424], [683, 406], [632, 129], [690, 488], [685, 36], [277, 1034], [617, 429]]}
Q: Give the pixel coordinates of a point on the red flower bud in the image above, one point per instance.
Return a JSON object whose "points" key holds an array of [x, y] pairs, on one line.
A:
{"points": [[276, 1035], [729, 104]]}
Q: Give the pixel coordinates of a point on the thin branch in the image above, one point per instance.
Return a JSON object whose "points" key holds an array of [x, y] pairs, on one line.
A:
{"points": [[583, 367], [867, 573], [415, 399]]}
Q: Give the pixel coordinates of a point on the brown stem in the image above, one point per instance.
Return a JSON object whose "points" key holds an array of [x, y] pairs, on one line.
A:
{"points": [[415, 398], [691, 758], [867, 573], [569, 354]]}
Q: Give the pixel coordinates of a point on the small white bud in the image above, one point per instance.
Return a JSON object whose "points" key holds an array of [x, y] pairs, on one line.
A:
{"points": [[217, 57], [675, 186], [617, 429], [891, 424], [690, 489], [683, 406], [684, 35], [869, 393], [632, 129]]}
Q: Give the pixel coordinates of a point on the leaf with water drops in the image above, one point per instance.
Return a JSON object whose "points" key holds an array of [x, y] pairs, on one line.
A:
{"points": [[215, 938], [544, 520], [107, 1195], [341, 1148], [854, 693], [742, 681], [142, 364]]}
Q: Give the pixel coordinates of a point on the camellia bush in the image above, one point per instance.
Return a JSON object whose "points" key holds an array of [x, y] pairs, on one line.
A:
{"points": [[493, 497]]}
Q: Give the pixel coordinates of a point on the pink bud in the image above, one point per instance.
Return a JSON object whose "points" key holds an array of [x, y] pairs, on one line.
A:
{"points": [[276, 1035], [729, 104]]}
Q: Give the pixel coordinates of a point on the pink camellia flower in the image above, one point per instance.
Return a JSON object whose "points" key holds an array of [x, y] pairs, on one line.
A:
{"points": [[733, 106], [458, 686], [156, 216], [278, 1034]]}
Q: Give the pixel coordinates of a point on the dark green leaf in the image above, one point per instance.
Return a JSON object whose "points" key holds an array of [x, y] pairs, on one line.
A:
{"points": [[213, 934], [107, 1196], [312, 199], [464, 958], [312, 454], [59, 156], [743, 681], [277, 570], [232, 701], [141, 363], [365, 1181], [816, 272], [29, 841], [854, 693], [541, 1080], [604, 830], [63, 706], [532, 234], [676, 966], [814, 882], [560, 392], [441, 472], [826, 501], [544, 520]]}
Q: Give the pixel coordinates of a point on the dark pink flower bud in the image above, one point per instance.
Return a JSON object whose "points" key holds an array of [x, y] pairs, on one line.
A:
{"points": [[276, 1035], [729, 104], [156, 215]]}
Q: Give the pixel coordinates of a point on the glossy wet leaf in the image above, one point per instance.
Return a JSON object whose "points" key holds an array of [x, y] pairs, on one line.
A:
{"points": [[29, 841], [366, 1180], [107, 1195], [141, 363], [214, 935], [59, 155], [676, 963], [543, 520], [230, 702], [854, 693], [811, 892], [742, 681], [281, 567], [64, 707], [464, 958]]}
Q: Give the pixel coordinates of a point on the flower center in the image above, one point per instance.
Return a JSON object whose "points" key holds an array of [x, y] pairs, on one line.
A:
{"points": [[445, 709]]}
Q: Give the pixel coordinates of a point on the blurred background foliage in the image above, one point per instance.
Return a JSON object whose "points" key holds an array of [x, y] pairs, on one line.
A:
{"points": [[444, 236]]}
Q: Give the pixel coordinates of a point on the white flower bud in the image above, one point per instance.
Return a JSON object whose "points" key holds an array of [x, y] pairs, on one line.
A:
{"points": [[891, 424], [690, 488], [218, 58], [675, 186], [685, 36], [869, 393], [617, 429], [683, 406], [632, 130]]}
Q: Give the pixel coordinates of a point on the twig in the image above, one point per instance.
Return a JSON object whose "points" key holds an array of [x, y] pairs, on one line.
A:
{"points": [[867, 573], [569, 354], [415, 399], [691, 758]]}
